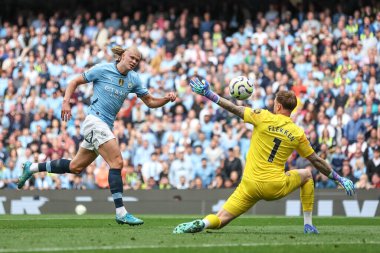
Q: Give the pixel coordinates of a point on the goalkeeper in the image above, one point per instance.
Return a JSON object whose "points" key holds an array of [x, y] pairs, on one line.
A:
{"points": [[274, 139]]}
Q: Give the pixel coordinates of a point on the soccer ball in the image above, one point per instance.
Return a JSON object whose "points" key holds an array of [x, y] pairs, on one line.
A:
{"points": [[80, 209], [240, 87]]}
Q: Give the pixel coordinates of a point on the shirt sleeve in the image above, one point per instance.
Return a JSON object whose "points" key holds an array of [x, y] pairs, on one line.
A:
{"points": [[255, 116], [304, 148], [140, 89], [92, 74]]}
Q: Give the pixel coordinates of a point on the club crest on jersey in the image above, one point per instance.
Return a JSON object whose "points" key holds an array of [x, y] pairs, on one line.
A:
{"points": [[257, 111], [121, 82], [130, 85]]}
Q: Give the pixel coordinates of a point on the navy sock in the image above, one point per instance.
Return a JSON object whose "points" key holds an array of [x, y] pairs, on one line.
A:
{"points": [[116, 186], [60, 166]]}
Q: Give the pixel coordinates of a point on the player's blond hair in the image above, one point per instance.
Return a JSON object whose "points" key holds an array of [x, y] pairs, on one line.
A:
{"points": [[287, 99], [119, 51]]}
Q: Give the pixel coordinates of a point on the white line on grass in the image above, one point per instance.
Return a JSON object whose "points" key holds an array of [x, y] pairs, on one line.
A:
{"points": [[121, 247], [104, 217], [35, 218]]}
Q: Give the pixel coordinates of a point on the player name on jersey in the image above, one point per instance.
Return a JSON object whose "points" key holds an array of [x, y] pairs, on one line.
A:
{"points": [[281, 130]]}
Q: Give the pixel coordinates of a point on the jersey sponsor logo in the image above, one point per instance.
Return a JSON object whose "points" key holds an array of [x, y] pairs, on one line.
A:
{"points": [[121, 82], [115, 92]]}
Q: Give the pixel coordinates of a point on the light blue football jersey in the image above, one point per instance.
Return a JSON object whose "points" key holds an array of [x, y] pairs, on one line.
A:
{"points": [[111, 88]]}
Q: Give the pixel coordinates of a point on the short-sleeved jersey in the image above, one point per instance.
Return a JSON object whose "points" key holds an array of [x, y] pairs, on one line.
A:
{"points": [[274, 138], [111, 88]]}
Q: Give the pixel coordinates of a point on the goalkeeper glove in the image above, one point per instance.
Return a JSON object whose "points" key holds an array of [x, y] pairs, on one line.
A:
{"points": [[344, 182], [203, 88]]}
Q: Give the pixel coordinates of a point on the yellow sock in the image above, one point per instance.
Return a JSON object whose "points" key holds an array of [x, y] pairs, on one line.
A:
{"points": [[307, 196], [212, 221]]}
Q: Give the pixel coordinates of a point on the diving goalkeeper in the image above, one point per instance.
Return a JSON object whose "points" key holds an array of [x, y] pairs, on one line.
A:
{"points": [[274, 139]]}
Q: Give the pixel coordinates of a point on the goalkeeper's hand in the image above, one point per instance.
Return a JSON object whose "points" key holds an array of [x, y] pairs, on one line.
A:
{"points": [[203, 88], [347, 185], [200, 87]]}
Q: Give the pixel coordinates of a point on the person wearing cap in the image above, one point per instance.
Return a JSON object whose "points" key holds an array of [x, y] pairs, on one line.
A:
{"points": [[112, 83]]}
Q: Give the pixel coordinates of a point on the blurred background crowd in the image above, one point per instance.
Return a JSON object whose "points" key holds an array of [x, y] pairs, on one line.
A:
{"points": [[328, 56]]}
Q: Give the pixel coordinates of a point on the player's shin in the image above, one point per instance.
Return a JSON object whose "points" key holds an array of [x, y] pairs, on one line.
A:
{"points": [[212, 221], [307, 199], [60, 166], [116, 186]]}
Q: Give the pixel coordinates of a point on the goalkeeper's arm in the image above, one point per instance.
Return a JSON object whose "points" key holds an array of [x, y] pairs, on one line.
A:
{"points": [[231, 107], [321, 165]]}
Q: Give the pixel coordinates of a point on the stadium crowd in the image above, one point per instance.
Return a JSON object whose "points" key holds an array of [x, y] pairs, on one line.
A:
{"points": [[328, 58]]}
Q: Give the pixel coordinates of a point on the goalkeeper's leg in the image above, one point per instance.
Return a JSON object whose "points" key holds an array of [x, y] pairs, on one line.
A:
{"points": [[211, 221], [307, 199], [219, 220], [238, 203]]}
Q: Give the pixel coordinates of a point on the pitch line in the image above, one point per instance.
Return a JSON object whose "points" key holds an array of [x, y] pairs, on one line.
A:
{"points": [[121, 247]]}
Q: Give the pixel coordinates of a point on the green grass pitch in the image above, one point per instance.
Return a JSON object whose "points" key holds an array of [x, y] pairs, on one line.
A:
{"points": [[100, 233]]}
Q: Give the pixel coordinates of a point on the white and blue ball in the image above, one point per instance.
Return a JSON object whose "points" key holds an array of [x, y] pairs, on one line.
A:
{"points": [[240, 87]]}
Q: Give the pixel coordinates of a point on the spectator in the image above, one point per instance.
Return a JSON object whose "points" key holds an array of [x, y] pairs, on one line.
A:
{"points": [[325, 183], [376, 180], [181, 170], [132, 179], [205, 172], [373, 165], [101, 176], [232, 163], [363, 183], [214, 152], [43, 182], [164, 183], [353, 128], [347, 172], [152, 168], [337, 159], [217, 183]]}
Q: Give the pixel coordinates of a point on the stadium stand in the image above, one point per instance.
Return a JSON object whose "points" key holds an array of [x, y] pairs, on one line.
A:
{"points": [[328, 57]]}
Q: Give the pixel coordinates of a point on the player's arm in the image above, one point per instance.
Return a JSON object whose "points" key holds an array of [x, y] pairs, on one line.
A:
{"points": [[203, 88], [231, 107], [73, 84], [153, 102], [321, 165]]}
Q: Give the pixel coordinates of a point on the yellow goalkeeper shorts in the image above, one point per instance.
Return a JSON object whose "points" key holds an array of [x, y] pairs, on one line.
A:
{"points": [[250, 191]]}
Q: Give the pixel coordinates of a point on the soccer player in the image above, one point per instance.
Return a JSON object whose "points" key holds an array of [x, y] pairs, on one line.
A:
{"points": [[112, 84], [274, 138]]}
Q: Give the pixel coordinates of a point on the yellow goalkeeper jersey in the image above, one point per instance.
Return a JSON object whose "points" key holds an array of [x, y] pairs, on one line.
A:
{"points": [[274, 138]]}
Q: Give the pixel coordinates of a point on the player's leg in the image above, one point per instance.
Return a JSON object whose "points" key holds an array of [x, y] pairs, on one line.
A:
{"points": [[303, 178], [307, 199], [238, 203], [82, 159], [110, 152], [219, 220]]}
